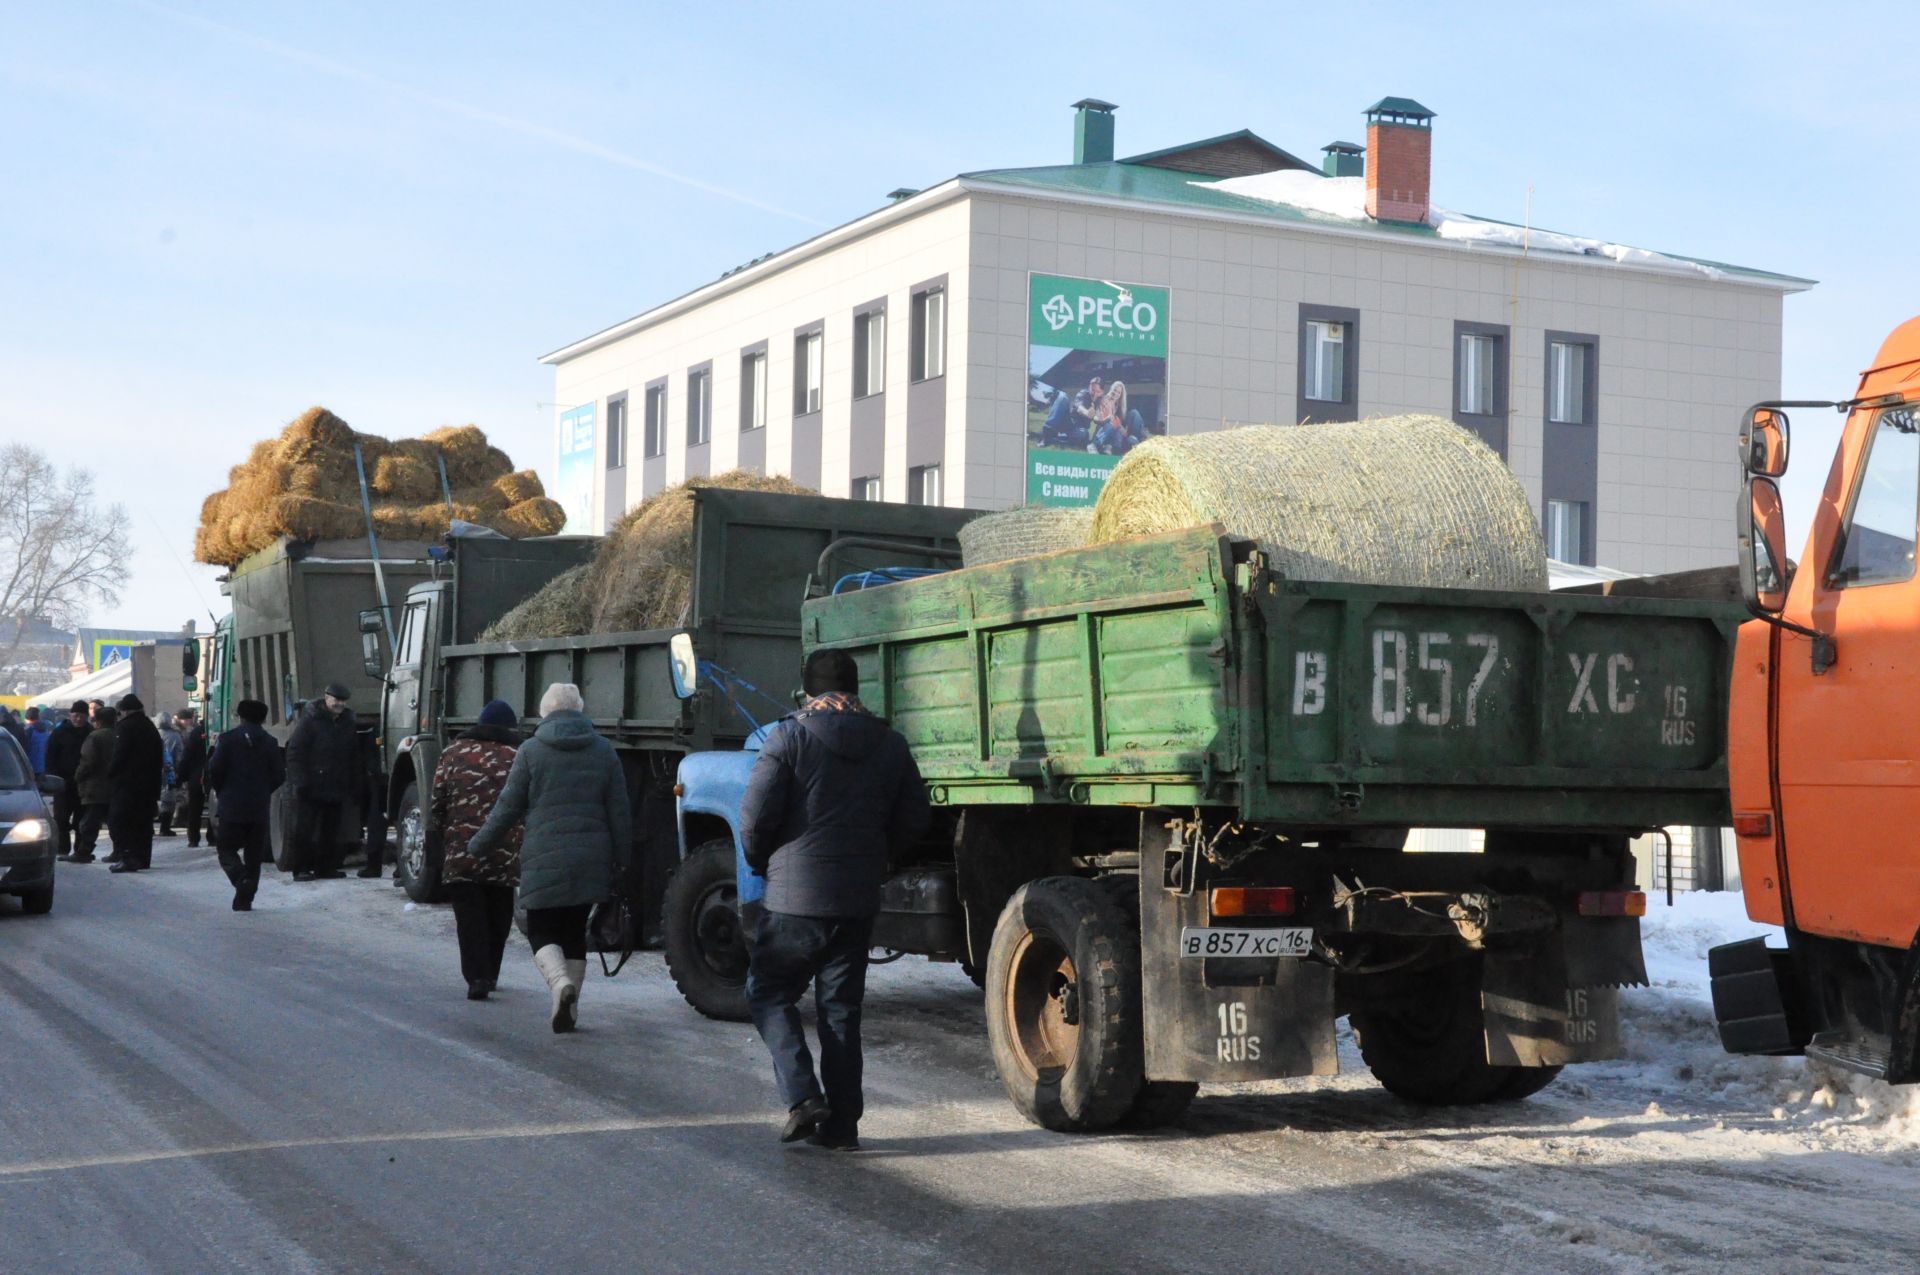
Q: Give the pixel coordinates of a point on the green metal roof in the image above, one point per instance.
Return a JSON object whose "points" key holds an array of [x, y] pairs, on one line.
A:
{"points": [[1241, 135], [1166, 187], [1399, 106]]}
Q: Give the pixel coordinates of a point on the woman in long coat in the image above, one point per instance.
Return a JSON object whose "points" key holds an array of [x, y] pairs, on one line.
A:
{"points": [[568, 787], [466, 784]]}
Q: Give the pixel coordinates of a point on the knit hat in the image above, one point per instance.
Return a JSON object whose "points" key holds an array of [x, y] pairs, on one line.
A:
{"points": [[251, 710], [131, 704], [81, 706], [498, 713]]}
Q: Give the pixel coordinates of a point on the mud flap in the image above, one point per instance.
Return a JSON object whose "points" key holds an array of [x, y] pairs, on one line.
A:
{"points": [[1535, 1017], [1231, 1020]]}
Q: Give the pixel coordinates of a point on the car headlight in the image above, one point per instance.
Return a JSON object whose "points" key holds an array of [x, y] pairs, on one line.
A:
{"points": [[26, 830]]}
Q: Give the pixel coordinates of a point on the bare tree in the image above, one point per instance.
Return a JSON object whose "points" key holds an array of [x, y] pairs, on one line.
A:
{"points": [[59, 552]]}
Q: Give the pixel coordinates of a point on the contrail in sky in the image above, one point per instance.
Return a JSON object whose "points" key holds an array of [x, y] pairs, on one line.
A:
{"points": [[479, 115]]}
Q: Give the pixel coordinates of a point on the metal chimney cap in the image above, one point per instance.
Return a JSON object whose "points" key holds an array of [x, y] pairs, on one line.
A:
{"points": [[1094, 104]]}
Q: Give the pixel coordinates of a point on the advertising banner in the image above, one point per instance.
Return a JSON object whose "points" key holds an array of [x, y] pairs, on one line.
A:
{"points": [[574, 484], [1096, 381]]}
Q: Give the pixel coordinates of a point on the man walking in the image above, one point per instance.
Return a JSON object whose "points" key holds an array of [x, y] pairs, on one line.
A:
{"points": [[193, 771], [245, 769], [171, 744], [832, 797], [63, 759], [37, 732], [135, 776], [90, 777], [323, 765]]}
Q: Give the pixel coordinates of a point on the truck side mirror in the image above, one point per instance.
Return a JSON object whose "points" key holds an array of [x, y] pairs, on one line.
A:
{"points": [[190, 660], [683, 665], [370, 653], [1763, 546], [1763, 442], [371, 621]]}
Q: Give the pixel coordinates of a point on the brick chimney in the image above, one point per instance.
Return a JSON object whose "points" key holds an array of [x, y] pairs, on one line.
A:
{"points": [[1399, 159], [1093, 131]]}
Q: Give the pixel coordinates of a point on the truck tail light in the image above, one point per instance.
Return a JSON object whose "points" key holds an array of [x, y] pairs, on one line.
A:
{"points": [[1252, 900], [1753, 823], [1612, 903]]}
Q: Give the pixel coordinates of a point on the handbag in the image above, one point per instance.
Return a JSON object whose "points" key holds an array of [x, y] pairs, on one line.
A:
{"points": [[614, 926]]}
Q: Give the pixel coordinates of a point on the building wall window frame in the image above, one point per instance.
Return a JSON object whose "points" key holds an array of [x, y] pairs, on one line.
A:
{"points": [[699, 405], [870, 349], [654, 435], [923, 485], [928, 307], [1566, 530], [1482, 380], [1328, 364], [617, 430], [809, 368], [1572, 378], [1570, 448], [753, 387]]}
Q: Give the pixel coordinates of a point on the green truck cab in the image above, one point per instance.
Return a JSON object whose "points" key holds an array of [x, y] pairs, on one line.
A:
{"points": [[1175, 791]]}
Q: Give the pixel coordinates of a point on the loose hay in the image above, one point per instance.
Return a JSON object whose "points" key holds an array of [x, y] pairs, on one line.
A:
{"points": [[559, 609], [1409, 500], [304, 484], [1022, 533]]}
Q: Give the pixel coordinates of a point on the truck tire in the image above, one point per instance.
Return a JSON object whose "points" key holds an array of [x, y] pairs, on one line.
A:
{"points": [[1063, 1005], [1524, 1082], [1159, 1102], [416, 856], [705, 943], [37, 902], [1430, 1048]]}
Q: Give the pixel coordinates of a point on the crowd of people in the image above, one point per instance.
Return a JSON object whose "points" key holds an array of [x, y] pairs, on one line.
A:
{"points": [[834, 793]]}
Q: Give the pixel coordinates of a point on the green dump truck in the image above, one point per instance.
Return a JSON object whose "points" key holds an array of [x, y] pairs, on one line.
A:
{"points": [[1176, 790]]}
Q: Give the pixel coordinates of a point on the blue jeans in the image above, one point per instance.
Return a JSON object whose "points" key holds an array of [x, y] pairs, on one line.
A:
{"points": [[787, 954]]}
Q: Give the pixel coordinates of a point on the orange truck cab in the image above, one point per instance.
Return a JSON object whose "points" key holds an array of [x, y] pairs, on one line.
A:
{"points": [[1824, 742]]}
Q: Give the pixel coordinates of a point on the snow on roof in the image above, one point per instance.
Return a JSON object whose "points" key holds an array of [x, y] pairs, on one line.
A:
{"points": [[1345, 198]]}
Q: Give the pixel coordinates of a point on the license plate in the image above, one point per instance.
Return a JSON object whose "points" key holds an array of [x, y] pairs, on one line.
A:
{"points": [[1214, 940]]}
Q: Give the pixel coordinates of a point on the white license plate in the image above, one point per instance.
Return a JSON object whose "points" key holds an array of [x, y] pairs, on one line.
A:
{"points": [[1214, 940]]}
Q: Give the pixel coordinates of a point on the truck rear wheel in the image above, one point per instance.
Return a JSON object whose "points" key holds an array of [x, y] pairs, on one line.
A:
{"points": [[1063, 1005], [1431, 1047], [705, 943], [416, 856]]}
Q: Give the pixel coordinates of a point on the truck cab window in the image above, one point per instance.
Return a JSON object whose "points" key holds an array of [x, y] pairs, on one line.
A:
{"points": [[412, 632], [1877, 542]]}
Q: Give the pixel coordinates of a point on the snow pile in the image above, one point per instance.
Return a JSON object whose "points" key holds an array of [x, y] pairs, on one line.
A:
{"points": [[1346, 198], [1672, 1045]]}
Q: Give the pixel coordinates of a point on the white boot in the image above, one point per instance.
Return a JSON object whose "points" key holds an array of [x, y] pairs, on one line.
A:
{"points": [[577, 975], [554, 967]]}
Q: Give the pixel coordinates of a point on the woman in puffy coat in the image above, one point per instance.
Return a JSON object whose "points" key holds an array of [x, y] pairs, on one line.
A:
{"points": [[466, 784], [568, 787]]}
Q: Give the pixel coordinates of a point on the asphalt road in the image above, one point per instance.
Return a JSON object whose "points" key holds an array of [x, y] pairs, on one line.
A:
{"points": [[306, 1088]]}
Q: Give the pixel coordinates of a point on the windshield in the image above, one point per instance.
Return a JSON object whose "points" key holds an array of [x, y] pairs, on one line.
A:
{"points": [[13, 765]]}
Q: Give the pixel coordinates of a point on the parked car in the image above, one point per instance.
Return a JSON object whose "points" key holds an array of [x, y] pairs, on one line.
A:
{"points": [[26, 830]]}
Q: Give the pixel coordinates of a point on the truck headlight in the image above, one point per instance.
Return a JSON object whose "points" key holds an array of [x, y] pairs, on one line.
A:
{"points": [[26, 830]]}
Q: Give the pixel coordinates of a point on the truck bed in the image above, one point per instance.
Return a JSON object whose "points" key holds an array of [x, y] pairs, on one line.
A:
{"points": [[1179, 671]]}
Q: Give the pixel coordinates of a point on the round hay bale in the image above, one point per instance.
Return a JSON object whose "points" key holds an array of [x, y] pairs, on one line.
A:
{"points": [[1409, 500], [402, 477], [1022, 533], [561, 608]]}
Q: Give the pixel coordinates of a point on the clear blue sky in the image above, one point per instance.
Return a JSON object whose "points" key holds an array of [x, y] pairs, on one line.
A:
{"points": [[216, 215]]}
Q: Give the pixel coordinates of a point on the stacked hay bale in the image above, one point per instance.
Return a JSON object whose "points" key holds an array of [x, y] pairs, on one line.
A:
{"points": [[304, 484], [641, 577], [1408, 500], [1022, 533]]}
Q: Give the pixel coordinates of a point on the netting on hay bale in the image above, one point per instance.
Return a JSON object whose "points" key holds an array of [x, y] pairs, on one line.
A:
{"points": [[1409, 500], [303, 483], [641, 576], [1022, 533]]}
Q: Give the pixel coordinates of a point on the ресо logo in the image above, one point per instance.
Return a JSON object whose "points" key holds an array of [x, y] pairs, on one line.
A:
{"points": [[1058, 312]]}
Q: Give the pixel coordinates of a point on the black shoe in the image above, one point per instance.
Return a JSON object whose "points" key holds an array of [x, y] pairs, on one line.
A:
{"points": [[242, 903], [368, 873], [305, 876], [63, 858], [124, 866], [331, 874], [477, 990], [488, 984], [81, 859], [835, 1141], [804, 1119], [115, 857]]}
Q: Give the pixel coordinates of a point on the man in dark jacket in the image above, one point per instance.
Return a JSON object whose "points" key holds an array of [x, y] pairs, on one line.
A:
{"points": [[63, 758], [91, 781], [323, 766], [832, 797], [135, 776], [192, 775], [245, 769]]}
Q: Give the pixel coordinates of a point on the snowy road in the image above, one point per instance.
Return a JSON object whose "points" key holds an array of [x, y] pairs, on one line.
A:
{"points": [[305, 1088]]}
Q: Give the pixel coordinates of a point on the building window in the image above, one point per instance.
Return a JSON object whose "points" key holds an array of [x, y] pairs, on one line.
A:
{"points": [[699, 407], [1567, 531], [809, 356], [753, 392], [1477, 374], [866, 489], [929, 334], [656, 420], [923, 485], [869, 353], [616, 431], [1877, 544], [1329, 363], [1569, 380]]}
